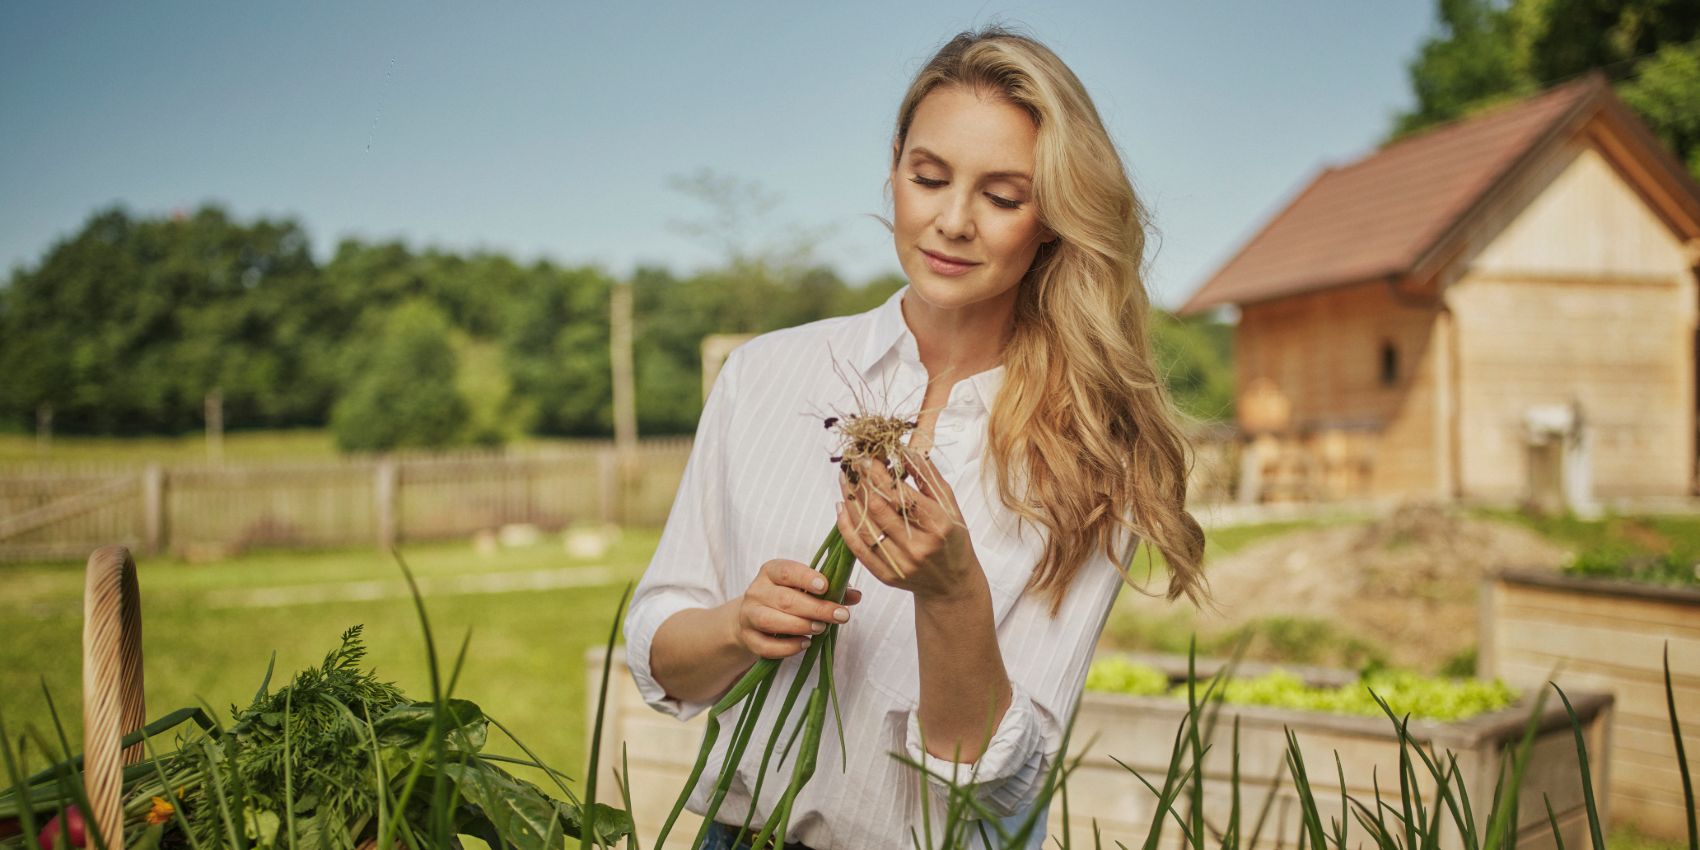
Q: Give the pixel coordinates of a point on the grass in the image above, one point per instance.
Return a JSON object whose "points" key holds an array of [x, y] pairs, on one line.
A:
{"points": [[525, 664], [186, 448], [285, 444], [1655, 549]]}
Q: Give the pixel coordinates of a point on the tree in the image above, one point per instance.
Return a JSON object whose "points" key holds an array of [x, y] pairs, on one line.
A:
{"points": [[401, 393], [126, 325], [1486, 53]]}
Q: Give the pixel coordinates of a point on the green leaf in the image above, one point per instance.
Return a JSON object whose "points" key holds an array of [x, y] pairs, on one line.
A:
{"points": [[465, 729], [517, 810]]}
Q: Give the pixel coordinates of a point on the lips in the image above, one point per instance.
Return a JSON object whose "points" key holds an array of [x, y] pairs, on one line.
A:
{"points": [[947, 267]]}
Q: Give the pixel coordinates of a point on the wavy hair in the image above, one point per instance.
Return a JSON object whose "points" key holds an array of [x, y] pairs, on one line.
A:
{"points": [[1082, 435]]}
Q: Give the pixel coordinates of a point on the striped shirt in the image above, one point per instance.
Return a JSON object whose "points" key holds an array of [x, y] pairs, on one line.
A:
{"points": [[760, 484]]}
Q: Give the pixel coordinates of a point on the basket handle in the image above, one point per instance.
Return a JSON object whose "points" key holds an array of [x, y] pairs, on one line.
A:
{"points": [[113, 703]]}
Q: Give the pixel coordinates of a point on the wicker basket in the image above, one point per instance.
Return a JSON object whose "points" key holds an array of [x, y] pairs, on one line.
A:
{"points": [[113, 703]]}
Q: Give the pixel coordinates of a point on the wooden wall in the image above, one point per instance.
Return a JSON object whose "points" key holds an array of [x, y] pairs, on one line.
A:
{"points": [[1609, 638], [1582, 294], [1322, 353]]}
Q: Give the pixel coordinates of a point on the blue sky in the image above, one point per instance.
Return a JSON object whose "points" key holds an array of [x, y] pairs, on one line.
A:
{"points": [[555, 130]]}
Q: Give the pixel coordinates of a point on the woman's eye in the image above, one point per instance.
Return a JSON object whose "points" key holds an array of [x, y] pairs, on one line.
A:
{"points": [[998, 201]]}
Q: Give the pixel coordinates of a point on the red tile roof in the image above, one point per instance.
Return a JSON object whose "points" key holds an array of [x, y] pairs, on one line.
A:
{"points": [[1378, 216]]}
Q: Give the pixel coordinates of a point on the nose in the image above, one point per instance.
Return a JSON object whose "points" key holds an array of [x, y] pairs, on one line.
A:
{"points": [[956, 219]]}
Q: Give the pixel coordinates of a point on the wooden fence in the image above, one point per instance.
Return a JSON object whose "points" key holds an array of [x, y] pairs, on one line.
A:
{"points": [[209, 511]]}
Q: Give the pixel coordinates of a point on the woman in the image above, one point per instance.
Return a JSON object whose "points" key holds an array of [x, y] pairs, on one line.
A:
{"points": [[1021, 341]]}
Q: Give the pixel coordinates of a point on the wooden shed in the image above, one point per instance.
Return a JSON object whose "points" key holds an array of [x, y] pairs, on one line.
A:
{"points": [[1414, 323]]}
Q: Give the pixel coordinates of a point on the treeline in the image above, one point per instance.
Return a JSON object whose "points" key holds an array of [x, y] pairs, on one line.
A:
{"points": [[1486, 52], [126, 326]]}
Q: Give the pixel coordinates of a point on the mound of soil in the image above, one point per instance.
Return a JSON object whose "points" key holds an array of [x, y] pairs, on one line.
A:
{"points": [[1408, 582]]}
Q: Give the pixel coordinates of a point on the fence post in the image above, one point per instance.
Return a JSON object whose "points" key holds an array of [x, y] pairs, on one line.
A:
{"points": [[608, 475], [384, 482], [153, 508]]}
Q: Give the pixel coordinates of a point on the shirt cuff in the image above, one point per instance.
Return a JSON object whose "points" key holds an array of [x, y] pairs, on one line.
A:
{"points": [[641, 626], [1008, 775]]}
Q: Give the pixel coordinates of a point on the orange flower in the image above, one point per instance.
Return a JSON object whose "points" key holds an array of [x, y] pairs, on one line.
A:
{"points": [[161, 811]]}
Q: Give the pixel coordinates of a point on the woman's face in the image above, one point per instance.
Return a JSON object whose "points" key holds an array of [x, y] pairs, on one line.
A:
{"points": [[962, 190]]}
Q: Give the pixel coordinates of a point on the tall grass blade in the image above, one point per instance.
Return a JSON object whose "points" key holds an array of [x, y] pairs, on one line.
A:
{"points": [[1557, 835], [1587, 779], [1342, 830], [1231, 841], [435, 733], [1681, 756], [588, 831], [1501, 826], [14, 769], [625, 782], [288, 757], [1310, 814], [76, 789]]}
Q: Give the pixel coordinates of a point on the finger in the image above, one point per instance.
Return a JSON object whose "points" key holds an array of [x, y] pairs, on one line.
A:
{"points": [[852, 596], [809, 607], [795, 574], [776, 622], [900, 524], [767, 646], [932, 483], [877, 563], [911, 505]]}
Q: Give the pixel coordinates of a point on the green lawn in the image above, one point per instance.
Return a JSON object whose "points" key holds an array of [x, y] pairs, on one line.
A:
{"points": [[290, 444], [190, 448], [202, 640]]}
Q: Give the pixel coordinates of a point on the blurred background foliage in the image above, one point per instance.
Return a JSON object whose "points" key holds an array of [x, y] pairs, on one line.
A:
{"points": [[125, 326], [1487, 52]]}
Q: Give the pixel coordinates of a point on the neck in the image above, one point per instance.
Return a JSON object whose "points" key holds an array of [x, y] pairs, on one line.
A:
{"points": [[962, 341]]}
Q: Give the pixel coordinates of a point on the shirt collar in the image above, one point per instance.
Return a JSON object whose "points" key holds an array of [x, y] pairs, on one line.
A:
{"points": [[890, 331]]}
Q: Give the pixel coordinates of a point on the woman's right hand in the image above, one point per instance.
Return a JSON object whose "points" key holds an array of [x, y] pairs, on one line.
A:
{"points": [[779, 613]]}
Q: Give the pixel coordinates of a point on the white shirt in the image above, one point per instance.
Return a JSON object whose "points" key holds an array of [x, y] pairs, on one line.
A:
{"points": [[760, 484]]}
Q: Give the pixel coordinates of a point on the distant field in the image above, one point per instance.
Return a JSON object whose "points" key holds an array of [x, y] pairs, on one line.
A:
{"points": [[202, 640], [190, 448]]}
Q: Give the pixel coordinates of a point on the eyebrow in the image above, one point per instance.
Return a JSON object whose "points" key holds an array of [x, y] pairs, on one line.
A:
{"points": [[920, 151]]}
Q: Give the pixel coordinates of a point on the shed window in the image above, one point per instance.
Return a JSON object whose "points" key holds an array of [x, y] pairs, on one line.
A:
{"points": [[1389, 363]]}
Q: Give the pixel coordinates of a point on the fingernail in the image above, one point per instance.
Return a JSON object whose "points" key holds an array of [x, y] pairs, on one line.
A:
{"points": [[806, 642], [817, 628], [819, 585], [842, 615]]}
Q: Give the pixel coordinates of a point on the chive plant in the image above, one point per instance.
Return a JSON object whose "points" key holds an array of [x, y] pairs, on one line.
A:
{"points": [[876, 437]]}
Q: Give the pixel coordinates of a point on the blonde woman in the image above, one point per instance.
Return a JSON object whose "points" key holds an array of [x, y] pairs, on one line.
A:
{"points": [[1050, 443]]}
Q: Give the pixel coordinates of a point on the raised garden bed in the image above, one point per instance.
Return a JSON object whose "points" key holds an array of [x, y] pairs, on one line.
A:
{"points": [[1139, 730], [1609, 635]]}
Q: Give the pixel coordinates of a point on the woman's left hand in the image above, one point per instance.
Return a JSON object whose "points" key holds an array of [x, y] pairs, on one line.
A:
{"points": [[909, 538]]}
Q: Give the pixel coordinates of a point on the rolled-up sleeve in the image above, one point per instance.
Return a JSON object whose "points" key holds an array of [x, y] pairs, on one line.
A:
{"points": [[1046, 658], [688, 569]]}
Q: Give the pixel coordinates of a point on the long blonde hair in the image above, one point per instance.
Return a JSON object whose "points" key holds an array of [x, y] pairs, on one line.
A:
{"points": [[1082, 418]]}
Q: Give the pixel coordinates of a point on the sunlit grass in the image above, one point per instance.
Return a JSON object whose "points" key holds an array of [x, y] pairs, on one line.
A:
{"points": [[526, 661]]}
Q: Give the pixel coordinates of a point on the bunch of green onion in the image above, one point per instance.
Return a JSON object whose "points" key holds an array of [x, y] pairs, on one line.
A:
{"points": [[834, 560]]}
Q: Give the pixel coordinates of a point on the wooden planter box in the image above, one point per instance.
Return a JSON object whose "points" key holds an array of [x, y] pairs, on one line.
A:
{"points": [[1610, 637], [1140, 730]]}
